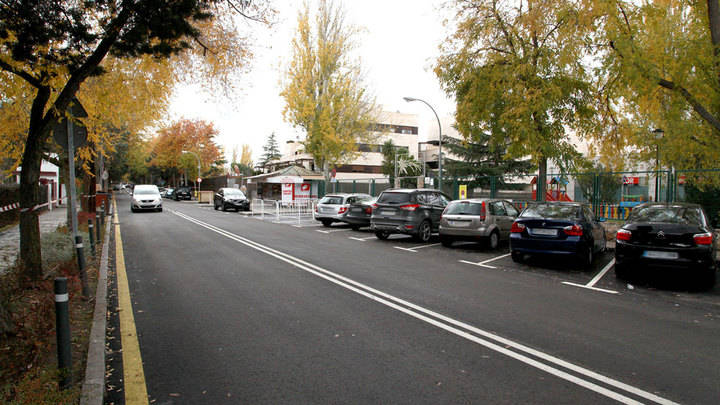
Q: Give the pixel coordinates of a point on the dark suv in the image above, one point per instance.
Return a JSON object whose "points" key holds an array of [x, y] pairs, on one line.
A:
{"points": [[415, 212]]}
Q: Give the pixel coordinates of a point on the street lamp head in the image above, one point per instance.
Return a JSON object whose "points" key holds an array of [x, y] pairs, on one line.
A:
{"points": [[658, 133], [409, 99]]}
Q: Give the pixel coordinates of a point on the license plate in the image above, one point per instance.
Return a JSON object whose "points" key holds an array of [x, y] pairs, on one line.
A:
{"points": [[654, 254], [356, 210], [544, 232], [459, 223], [387, 212]]}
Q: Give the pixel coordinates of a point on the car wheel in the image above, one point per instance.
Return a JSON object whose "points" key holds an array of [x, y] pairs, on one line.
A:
{"points": [[382, 235], [621, 272], [216, 207], [159, 210], [237, 209], [494, 240], [707, 278], [224, 208], [445, 241], [424, 231], [133, 209], [517, 257], [588, 257], [326, 223], [354, 227]]}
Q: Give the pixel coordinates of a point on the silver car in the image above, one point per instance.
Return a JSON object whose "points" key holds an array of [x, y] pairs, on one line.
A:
{"points": [[485, 220], [145, 197], [334, 207]]}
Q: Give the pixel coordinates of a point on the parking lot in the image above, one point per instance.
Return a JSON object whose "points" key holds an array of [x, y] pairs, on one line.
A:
{"points": [[599, 279]]}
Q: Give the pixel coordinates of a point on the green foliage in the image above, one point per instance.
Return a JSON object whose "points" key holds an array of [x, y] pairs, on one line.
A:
{"points": [[270, 150], [608, 185], [516, 71], [394, 155]]}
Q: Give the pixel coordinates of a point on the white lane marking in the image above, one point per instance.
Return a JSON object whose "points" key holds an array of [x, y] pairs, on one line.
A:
{"points": [[590, 288], [333, 230], [484, 262], [601, 274], [415, 248], [595, 279], [410, 309], [303, 226], [362, 239]]}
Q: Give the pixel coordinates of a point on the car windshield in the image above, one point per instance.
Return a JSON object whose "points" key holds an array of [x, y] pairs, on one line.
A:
{"points": [[667, 214], [552, 211], [183, 190], [233, 192], [143, 191], [331, 199], [464, 208], [393, 198]]}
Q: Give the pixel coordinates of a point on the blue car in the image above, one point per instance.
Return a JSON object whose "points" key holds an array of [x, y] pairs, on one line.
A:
{"points": [[557, 228]]}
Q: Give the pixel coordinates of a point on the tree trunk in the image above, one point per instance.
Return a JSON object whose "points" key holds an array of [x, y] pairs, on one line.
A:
{"points": [[541, 180], [30, 259]]}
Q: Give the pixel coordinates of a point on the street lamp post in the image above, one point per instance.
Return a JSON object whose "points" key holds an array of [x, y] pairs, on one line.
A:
{"points": [[440, 176], [658, 136], [197, 185]]}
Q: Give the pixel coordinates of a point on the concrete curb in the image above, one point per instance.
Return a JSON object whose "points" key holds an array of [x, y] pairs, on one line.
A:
{"points": [[93, 388]]}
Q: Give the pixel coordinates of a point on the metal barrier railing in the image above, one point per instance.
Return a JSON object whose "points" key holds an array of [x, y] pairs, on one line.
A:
{"points": [[284, 209]]}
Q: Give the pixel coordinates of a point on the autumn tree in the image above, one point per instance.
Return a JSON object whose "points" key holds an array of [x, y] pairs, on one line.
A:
{"points": [[323, 89], [660, 68], [515, 69], [50, 49], [244, 165], [170, 148]]}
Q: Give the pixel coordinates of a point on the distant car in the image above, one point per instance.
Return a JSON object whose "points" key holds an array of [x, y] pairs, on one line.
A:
{"points": [[359, 212], [557, 228], [676, 236], [487, 220], [231, 198], [181, 193], [334, 207], [145, 197], [415, 212], [168, 193]]}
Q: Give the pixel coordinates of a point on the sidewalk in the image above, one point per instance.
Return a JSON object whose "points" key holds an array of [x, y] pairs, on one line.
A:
{"points": [[10, 238]]}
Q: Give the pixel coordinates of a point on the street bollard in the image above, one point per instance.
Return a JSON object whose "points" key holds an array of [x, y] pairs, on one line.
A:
{"points": [[81, 265], [91, 234], [101, 222], [62, 328]]}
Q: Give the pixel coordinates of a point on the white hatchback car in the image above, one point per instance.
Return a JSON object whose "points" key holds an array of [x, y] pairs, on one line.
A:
{"points": [[334, 207], [146, 197]]}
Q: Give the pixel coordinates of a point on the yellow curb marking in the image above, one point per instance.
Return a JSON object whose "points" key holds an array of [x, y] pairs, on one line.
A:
{"points": [[134, 377]]}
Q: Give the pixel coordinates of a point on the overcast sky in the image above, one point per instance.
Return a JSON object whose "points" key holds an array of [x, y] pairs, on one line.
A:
{"points": [[397, 50]]}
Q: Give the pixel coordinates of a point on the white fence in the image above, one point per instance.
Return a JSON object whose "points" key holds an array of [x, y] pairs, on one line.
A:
{"points": [[300, 209]]}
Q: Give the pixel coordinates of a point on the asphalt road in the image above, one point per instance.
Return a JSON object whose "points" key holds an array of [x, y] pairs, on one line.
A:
{"points": [[233, 309]]}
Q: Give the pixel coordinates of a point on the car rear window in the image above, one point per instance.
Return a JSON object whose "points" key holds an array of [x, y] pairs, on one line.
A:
{"points": [[464, 208], [667, 214], [332, 200], [551, 211], [393, 198], [183, 190]]}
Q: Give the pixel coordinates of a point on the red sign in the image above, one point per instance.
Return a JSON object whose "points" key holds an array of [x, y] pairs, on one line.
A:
{"points": [[631, 180]]}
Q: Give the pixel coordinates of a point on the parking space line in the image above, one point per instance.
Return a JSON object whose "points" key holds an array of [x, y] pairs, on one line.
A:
{"points": [[304, 226], [333, 230], [414, 248], [595, 279], [362, 239], [484, 262]]}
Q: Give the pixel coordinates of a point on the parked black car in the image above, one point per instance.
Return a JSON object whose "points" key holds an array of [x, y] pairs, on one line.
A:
{"points": [[415, 212], [359, 213], [181, 193], [231, 198], [675, 236], [557, 228]]}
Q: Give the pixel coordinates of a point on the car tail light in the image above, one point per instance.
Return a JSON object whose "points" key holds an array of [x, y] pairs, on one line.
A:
{"points": [[374, 206], [316, 209], [517, 227], [623, 234], [409, 207], [342, 210], [703, 238], [368, 210], [573, 230], [482, 212]]}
